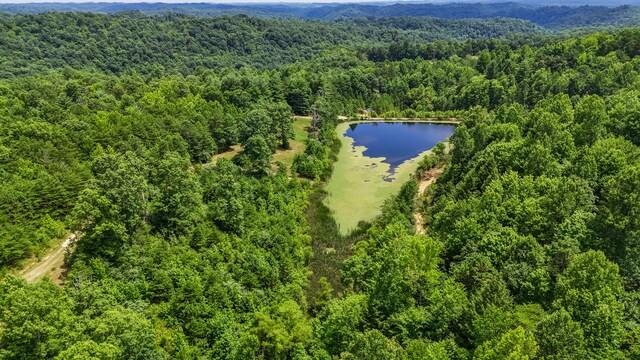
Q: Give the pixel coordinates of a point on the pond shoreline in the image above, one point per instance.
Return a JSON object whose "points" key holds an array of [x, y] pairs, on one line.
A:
{"points": [[435, 120], [454, 121], [358, 186]]}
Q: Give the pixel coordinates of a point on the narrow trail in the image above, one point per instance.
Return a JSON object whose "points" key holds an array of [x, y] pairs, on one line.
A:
{"points": [[428, 178], [51, 265]]}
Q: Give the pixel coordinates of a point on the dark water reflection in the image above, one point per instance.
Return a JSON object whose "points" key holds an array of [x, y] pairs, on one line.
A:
{"points": [[397, 142]]}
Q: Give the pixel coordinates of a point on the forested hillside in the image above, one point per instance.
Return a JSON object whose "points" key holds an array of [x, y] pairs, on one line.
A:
{"points": [[114, 43], [551, 15], [109, 125]]}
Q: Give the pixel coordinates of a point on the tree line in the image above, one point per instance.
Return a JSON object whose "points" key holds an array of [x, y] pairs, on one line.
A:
{"points": [[550, 16]]}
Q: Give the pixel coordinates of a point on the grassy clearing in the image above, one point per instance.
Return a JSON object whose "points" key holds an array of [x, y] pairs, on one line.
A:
{"points": [[296, 145], [357, 187], [229, 154], [301, 127]]}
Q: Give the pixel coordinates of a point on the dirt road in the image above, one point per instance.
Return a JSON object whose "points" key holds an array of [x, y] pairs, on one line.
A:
{"points": [[428, 179], [52, 264]]}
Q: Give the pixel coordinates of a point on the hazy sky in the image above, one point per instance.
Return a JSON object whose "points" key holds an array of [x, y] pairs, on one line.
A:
{"points": [[213, 2], [237, 1], [546, 2], [220, 1]]}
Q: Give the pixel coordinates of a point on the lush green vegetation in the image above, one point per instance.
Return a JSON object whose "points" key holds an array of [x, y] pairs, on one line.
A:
{"points": [[178, 43], [531, 249], [544, 13]]}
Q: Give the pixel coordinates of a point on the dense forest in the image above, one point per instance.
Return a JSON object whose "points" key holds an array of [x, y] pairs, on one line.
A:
{"points": [[178, 43], [109, 125], [551, 14]]}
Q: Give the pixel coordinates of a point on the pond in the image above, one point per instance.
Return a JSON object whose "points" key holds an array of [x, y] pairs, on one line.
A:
{"points": [[397, 142], [375, 159]]}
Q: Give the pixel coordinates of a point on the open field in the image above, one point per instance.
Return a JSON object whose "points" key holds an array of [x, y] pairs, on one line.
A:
{"points": [[357, 187]]}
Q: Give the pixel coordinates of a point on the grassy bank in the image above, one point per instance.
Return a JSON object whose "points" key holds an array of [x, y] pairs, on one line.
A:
{"points": [[357, 187]]}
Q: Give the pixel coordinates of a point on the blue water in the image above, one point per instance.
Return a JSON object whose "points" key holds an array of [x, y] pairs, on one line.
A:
{"points": [[398, 142]]}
